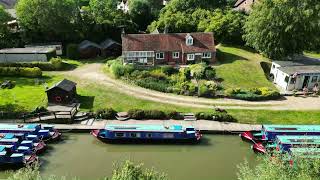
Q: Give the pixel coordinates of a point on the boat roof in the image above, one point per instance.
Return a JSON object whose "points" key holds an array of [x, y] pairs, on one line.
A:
{"points": [[291, 128], [298, 139], [9, 136], [23, 148], [141, 127], [27, 127], [9, 140], [26, 141], [2, 148], [17, 155]]}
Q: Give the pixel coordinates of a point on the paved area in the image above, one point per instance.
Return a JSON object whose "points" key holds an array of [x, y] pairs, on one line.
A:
{"points": [[209, 126], [93, 73]]}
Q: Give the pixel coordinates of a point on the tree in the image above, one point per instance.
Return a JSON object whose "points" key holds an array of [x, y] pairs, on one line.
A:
{"points": [[140, 13], [5, 35], [280, 28], [227, 25], [198, 72], [47, 19]]}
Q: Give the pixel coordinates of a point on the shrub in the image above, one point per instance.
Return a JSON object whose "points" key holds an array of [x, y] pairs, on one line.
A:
{"points": [[117, 70], [168, 70], [155, 84], [210, 73], [136, 114], [54, 64], [158, 74], [185, 73], [216, 116], [20, 71], [154, 114], [175, 115], [108, 113], [140, 74], [12, 111], [72, 51], [254, 94]]}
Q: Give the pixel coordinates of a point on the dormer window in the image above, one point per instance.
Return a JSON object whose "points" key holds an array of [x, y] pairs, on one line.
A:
{"points": [[189, 40]]}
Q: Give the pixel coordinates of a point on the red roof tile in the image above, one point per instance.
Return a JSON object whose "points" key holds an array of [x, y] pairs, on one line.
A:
{"points": [[202, 42]]}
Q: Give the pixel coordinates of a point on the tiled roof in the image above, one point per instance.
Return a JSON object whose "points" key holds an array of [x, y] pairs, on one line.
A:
{"points": [[202, 42], [65, 84]]}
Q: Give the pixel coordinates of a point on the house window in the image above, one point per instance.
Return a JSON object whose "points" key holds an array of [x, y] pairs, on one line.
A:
{"points": [[149, 135], [160, 55], [175, 55], [293, 80], [206, 55], [314, 79], [119, 134], [190, 57], [189, 40], [143, 60]]}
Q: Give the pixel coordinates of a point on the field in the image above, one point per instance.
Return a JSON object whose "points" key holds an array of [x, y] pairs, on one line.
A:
{"points": [[240, 68]]}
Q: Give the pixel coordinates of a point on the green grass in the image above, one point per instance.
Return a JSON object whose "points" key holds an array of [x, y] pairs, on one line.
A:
{"points": [[240, 68], [312, 54], [27, 93]]}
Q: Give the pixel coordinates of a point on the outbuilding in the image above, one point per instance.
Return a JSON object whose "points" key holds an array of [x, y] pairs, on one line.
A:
{"points": [[110, 48], [296, 74], [88, 49], [64, 92], [26, 54]]}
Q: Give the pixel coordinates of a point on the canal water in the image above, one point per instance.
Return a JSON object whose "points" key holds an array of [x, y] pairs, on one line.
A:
{"points": [[85, 157]]}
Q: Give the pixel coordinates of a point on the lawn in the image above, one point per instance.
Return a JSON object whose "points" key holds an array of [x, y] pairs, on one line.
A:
{"points": [[240, 68], [312, 54]]}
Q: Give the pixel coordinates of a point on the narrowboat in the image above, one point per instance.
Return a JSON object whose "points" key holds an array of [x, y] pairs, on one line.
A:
{"points": [[269, 132], [46, 133], [147, 133], [284, 143], [9, 159]]}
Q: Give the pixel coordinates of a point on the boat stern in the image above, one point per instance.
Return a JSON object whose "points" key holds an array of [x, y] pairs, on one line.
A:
{"points": [[247, 136], [95, 133], [259, 148]]}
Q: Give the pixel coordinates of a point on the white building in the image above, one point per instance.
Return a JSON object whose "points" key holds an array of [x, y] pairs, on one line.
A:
{"points": [[295, 75], [26, 54]]}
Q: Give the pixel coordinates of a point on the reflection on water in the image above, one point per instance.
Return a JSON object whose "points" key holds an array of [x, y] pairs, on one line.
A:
{"points": [[83, 156]]}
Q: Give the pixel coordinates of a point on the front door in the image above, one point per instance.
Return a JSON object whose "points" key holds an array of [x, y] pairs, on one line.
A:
{"points": [[306, 81]]}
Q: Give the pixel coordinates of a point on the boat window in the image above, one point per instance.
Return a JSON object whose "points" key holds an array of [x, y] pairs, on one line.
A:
{"points": [[149, 135], [119, 134], [168, 135], [301, 140], [189, 129], [134, 135]]}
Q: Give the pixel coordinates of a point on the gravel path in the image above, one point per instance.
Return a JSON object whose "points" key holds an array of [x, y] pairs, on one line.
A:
{"points": [[93, 73]]}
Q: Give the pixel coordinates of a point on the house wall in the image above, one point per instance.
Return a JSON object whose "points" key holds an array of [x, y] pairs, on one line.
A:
{"points": [[4, 58], [66, 97], [245, 6], [280, 79]]}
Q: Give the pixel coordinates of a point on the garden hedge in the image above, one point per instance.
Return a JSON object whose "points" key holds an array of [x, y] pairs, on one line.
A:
{"points": [[21, 71], [254, 94], [54, 64]]}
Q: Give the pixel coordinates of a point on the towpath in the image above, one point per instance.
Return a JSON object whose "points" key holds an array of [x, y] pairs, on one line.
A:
{"points": [[94, 73]]}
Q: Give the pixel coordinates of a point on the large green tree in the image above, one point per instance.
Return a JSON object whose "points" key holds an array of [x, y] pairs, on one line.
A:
{"points": [[141, 13], [47, 19], [5, 34], [280, 28]]}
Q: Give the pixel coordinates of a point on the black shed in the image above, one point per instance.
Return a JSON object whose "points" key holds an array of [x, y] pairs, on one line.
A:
{"points": [[64, 92]]}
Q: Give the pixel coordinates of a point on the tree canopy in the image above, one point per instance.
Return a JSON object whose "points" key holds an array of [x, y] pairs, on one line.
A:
{"points": [[280, 28], [5, 35], [141, 13]]}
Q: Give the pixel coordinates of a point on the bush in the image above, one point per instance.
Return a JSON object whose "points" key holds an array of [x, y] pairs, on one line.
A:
{"points": [[158, 74], [118, 70], [72, 51], [175, 115], [210, 73], [216, 116], [136, 114], [139, 74], [154, 114], [155, 84], [108, 113], [20, 71], [12, 111], [168, 70], [54, 64], [254, 94]]}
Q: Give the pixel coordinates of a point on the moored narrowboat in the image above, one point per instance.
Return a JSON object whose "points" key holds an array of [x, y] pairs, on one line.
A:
{"points": [[147, 133], [269, 132], [16, 160]]}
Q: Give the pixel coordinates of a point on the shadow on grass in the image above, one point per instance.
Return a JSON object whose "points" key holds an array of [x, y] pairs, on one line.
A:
{"points": [[86, 101], [225, 57]]}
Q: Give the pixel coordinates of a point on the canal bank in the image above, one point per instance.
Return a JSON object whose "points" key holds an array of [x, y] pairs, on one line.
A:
{"points": [[206, 127]]}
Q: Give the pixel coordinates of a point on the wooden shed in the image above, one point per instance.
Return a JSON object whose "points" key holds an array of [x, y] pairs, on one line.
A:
{"points": [[110, 48], [64, 92], [88, 49]]}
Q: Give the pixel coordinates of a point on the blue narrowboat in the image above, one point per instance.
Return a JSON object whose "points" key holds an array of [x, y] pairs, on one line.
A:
{"points": [[46, 133], [9, 159], [269, 132], [284, 143], [147, 133]]}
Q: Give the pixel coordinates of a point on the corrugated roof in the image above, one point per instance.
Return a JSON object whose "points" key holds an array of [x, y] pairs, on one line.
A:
{"points": [[65, 84], [202, 42], [29, 50], [107, 43], [300, 69], [86, 43]]}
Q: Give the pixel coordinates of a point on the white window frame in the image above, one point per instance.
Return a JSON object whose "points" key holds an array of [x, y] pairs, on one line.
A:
{"points": [[206, 55], [158, 55], [190, 57], [175, 55]]}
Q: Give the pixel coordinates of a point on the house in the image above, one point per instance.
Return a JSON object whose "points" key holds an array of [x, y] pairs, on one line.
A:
{"points": [[26, 54], [57, 46], [296, 74], [110, 47], [64, 92], [123, 6], [172, 48], [244, 5], [88, 49]]}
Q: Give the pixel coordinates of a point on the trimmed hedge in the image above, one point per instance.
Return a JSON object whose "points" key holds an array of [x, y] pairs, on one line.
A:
{"points": [[108, 113], [215, 116], [254, 94], [11, 111], [146, 114], [20, 71], [54, 64]]}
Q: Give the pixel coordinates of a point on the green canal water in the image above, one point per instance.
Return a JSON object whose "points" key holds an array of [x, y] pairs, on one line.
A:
{"points": [[85, 157]]}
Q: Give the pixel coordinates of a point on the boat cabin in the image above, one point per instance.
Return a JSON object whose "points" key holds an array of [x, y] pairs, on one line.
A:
{"points": [[284, 143], [271, 131]]}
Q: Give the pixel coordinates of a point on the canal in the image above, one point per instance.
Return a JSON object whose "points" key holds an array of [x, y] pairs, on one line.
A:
{"points": [[85, 157]]}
